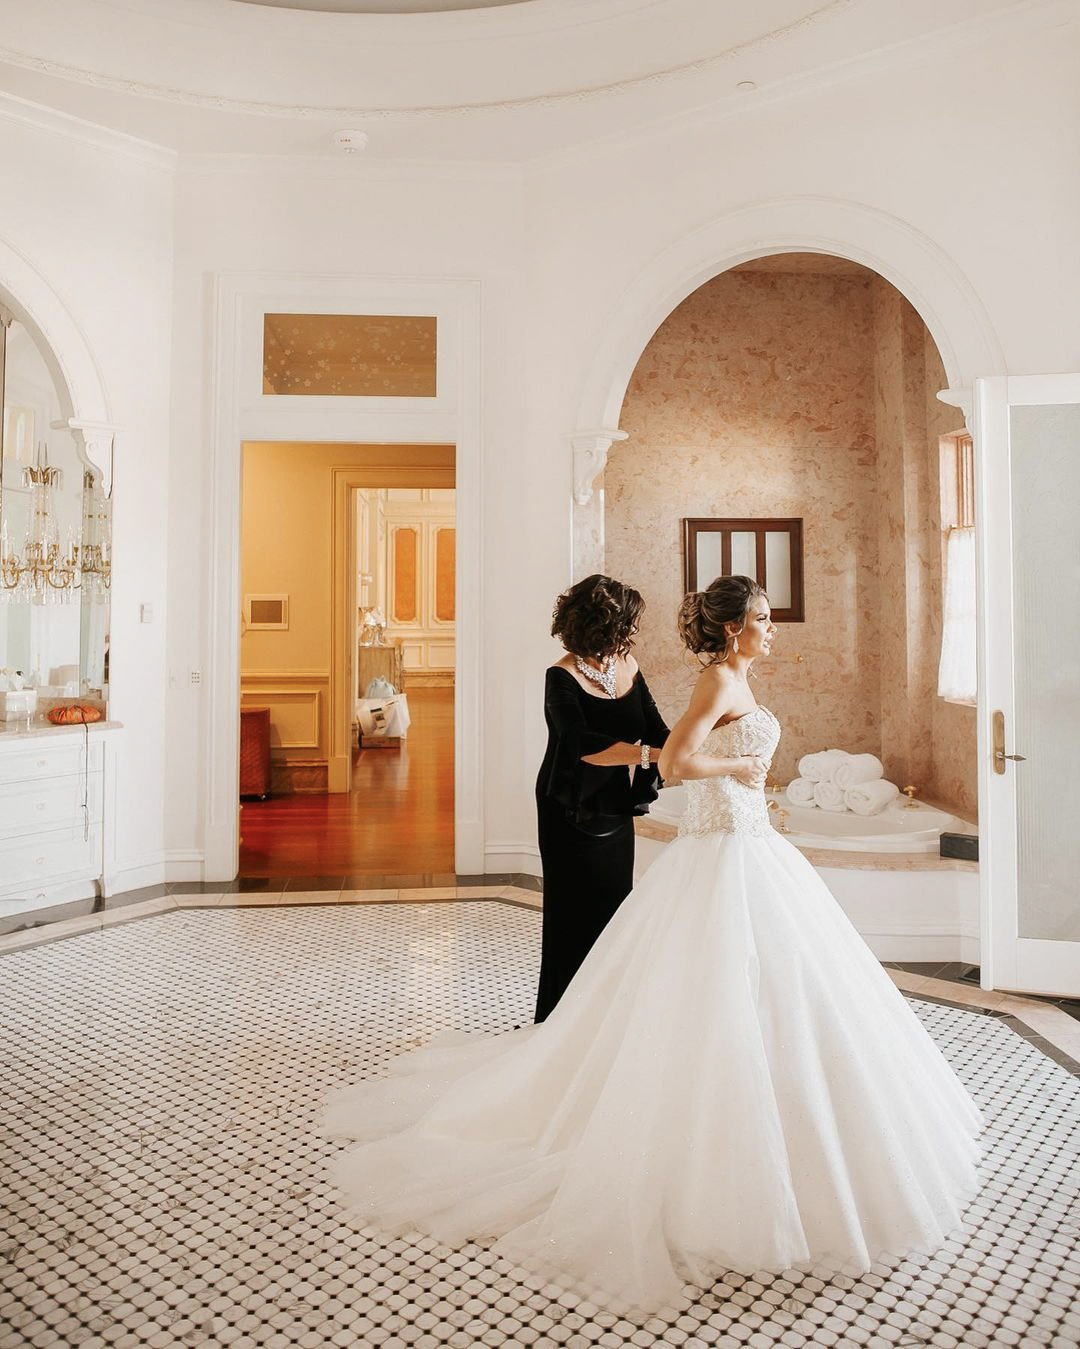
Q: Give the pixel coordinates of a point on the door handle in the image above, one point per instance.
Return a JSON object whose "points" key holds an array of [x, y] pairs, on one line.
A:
{"points": [[998, 744]]}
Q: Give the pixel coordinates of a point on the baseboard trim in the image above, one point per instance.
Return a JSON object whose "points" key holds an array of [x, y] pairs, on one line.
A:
{"points": [[136, 876], [298, 777], [523, 857], [184, 864]]}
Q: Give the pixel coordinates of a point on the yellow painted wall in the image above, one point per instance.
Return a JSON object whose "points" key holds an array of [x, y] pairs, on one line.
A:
{"points": [[286, 541]]}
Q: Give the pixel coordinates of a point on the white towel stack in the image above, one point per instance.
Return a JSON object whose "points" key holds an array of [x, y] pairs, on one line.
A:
{"points": [[857, 768], [800, 792], [829, 796], [869, 798], [833, 779], [820, 767]]}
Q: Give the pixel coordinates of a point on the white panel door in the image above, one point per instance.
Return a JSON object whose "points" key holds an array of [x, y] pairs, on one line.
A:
{"points": [[1027, 439]]}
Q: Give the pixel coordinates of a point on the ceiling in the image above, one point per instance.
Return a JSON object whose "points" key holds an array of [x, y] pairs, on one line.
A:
{"points": [[506, 80], [383, 6]]}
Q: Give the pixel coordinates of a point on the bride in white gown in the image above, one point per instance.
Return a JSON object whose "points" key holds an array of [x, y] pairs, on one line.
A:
{"points": [[731, 1082]]}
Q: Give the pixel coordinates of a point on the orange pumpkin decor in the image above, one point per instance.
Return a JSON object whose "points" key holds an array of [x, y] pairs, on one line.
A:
{"points": [[73, 714]]}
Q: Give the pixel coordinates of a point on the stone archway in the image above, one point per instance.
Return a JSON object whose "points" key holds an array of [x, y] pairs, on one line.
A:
{"points": [[913, 263], [84, 402]]}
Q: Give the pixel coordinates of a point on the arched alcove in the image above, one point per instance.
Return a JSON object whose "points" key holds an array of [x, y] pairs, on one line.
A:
{"points": [[924, 274], [84, 404], [902, 723]]}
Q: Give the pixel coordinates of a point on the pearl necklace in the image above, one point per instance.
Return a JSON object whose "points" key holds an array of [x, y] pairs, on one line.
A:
{"points": [[605, 676]]}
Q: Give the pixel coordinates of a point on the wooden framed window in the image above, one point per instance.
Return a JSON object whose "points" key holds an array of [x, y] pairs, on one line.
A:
{"points": [[957, 680], [768, 550], [957, 481]]}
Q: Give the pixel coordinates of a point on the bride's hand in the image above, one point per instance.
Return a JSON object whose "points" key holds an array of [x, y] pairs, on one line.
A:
{"points": [[750, 770]]}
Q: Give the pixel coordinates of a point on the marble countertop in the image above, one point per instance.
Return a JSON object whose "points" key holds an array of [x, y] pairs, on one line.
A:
{"points": [[11, 731]]}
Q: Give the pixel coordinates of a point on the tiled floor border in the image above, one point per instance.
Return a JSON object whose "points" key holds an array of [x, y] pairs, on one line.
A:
{"points": [[1040, 1021]]}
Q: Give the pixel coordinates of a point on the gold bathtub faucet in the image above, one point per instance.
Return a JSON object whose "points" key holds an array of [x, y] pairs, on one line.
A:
{"points": [[911, 792], [781, 816]]}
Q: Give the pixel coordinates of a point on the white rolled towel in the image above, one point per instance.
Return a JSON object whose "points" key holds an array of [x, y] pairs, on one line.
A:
{"points": [[858, 768], [829, 796], [870, 798], [800, 792], [820, 767]]}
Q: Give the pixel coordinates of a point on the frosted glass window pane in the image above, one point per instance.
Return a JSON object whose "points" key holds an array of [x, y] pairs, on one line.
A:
{"points": [[404, 494], [709, 558], [778, 568], [1045, 472], [349, 355], [744, 553]]}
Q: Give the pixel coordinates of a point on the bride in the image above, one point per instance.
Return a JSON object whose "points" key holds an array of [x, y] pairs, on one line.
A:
{"points": [[730, 1082]]}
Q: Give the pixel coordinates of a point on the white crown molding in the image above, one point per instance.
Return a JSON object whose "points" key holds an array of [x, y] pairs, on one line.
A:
{"points": [[950, 39], [22, 110], [352, 112], [351, 168]]}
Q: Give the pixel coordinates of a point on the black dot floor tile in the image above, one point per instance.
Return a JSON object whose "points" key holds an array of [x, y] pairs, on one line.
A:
{"points": [[162, 1183]]}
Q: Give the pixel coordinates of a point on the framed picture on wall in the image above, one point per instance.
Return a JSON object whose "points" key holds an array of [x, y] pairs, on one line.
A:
{"points": [[768, 550]]}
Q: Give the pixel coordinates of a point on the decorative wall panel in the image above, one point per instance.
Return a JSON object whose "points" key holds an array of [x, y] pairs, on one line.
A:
{"points": [[405, 577], [444, 575]]}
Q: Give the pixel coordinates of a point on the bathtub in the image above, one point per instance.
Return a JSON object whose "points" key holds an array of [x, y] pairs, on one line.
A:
{"points": [[895, 829]]}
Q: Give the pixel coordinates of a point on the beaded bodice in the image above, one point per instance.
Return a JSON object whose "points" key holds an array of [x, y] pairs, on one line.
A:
{"points": [[724, 804]]}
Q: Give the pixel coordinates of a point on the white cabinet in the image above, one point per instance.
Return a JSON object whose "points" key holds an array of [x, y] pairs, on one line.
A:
{"points": [[51, 814]]}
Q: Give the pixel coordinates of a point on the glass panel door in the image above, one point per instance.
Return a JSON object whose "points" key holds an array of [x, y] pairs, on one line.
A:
{"points": [[1045, 485], [1027, 448]]}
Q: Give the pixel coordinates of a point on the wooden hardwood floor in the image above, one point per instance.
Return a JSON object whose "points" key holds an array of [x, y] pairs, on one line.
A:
{"points": [[397, 819]]}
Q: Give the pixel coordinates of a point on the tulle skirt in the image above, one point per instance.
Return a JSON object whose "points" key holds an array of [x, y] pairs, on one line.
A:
{"points": [[731, 1082]]}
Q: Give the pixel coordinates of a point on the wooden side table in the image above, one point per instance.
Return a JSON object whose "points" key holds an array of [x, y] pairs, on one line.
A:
{"points": [[255, 751]]}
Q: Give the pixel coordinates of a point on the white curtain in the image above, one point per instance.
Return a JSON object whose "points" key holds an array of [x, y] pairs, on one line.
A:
{"points": [[956, 673]]}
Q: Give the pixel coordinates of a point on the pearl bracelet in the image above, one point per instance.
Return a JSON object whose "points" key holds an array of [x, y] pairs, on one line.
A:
{"points": [[645, 751]]}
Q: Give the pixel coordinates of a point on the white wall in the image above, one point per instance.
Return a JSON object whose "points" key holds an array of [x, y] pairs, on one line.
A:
{"points": [[349, 221], [96, 222]]}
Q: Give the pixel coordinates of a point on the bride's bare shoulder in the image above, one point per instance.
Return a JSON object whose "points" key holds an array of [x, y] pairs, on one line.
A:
{"points": [[715, 677]]}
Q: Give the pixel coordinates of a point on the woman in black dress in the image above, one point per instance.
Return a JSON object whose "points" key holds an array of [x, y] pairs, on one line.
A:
{"points": [[604, 738]]}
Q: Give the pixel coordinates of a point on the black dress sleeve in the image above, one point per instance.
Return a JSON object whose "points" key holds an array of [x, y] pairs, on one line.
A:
{"points": [[656, 728], [647, 782], [569, 781]]}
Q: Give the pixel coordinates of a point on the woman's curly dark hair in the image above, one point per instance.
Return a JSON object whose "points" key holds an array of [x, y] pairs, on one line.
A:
{"points": [[597, 617]]}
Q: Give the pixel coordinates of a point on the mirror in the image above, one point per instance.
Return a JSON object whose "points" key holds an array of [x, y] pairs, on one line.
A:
{"points": [[55, 538], [769, 550]]}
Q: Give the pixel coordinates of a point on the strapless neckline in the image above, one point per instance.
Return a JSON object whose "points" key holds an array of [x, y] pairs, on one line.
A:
{"points": [[758, 707]]}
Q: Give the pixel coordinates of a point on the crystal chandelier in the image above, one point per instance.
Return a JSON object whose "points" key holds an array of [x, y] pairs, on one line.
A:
{"points": [[95, 551], [39, 573]]}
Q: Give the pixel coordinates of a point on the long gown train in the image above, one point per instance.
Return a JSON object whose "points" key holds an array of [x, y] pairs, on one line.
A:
{"points": [[731, 1082]]}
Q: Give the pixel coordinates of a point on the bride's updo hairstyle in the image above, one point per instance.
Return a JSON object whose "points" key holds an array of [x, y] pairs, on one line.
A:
{"points": [[597, 618], [703, 615]]}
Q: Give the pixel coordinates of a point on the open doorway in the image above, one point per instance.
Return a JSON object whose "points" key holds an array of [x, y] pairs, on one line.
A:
{"points": [[347, 687]]}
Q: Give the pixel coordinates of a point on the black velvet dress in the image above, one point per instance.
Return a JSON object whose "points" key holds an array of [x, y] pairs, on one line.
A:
{"points": [[586, 818]]}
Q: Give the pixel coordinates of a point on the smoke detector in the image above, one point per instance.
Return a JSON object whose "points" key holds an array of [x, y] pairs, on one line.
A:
{"points": [[349, 142]]}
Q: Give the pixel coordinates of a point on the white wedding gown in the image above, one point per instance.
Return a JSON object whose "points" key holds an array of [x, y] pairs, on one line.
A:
{"points": [[731, 1082]]}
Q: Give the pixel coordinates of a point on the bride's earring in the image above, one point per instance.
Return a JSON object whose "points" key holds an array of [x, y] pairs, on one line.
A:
{"points": [[735, 645]]}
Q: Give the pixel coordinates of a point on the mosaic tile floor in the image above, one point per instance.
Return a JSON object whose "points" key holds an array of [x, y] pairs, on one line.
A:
{"points": [[162, 1184]]}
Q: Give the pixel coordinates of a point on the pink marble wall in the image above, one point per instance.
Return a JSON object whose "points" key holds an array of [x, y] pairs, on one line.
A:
{"points": [[797, 387]]}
